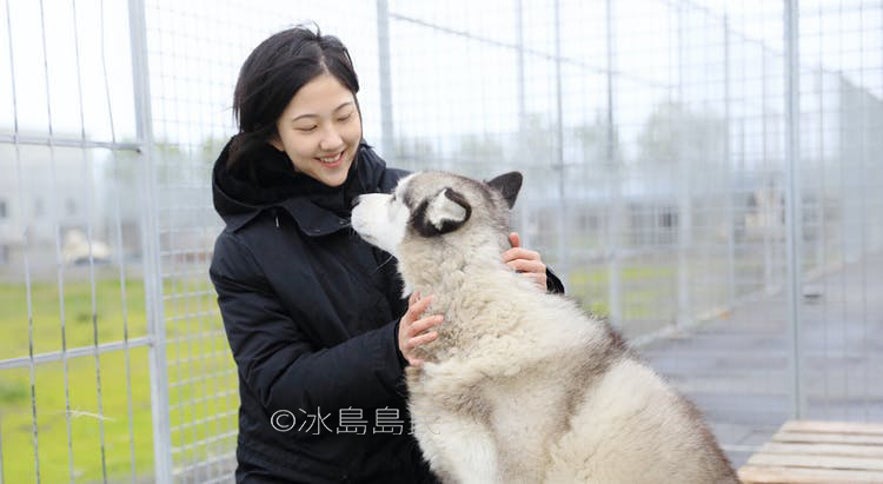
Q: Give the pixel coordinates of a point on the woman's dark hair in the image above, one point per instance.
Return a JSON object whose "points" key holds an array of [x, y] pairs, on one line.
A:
{"points": [[272, 74]]}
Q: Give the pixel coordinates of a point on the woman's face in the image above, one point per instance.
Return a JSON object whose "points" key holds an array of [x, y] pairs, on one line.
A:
{"points": [[320, 130]]}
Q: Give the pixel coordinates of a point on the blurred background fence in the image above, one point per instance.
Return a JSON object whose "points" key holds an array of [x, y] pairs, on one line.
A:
{"points": [[706, 174]]}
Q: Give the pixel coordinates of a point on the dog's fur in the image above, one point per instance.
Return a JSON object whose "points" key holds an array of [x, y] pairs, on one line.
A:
{"points": [[521, 385]]}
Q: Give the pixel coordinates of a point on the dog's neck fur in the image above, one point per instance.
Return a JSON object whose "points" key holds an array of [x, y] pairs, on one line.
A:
{"points": [[455, 271], [450, 260]]}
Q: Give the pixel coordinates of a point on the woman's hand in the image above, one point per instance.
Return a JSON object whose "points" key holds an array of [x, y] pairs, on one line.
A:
{"points": [[525, 262], [414, 331]]}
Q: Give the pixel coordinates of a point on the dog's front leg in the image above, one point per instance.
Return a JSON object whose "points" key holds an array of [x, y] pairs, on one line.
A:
{"points": [[459, 449], [452, 424]]}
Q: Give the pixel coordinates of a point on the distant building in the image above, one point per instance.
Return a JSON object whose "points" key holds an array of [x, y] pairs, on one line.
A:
{"points": [[54, 202]]}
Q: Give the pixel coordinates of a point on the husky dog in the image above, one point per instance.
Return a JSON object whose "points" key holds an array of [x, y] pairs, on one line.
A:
{"points": [[521, 385]]}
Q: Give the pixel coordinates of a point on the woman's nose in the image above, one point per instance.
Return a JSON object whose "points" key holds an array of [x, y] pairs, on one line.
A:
{"points": [[331, 140]]}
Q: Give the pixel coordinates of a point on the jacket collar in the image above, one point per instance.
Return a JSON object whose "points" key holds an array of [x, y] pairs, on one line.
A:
{"points": [[237, 221], [312, 219]]}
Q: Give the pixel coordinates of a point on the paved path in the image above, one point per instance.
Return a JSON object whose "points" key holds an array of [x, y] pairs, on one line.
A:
{"points": [[737, 368]]}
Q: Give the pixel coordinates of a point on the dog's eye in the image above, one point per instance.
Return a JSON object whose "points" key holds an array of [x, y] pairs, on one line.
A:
{"points": [[392, 198]]}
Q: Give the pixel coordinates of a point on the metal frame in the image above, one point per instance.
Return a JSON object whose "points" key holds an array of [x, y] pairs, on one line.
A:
{"points": [[793, 214], [194, 451], [159, 379]]}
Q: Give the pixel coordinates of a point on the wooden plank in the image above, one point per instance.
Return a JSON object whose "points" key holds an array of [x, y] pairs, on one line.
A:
{"points": [[832, 438], [818, 462], [859, 428], [807, 451], [750, 474], [847, 450]]}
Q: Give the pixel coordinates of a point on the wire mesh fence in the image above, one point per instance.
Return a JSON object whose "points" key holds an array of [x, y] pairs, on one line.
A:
{"points": [[704, 174]]}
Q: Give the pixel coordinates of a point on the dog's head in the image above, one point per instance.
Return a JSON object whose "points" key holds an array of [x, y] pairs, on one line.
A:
{"points": [[428, 207]]}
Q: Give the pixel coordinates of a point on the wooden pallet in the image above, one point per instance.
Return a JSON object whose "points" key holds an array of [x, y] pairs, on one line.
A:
{"points": [[805, 451]]}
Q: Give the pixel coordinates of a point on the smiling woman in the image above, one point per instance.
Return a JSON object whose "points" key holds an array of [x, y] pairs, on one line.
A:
{"points": [[311, 312], [314, 315], [320, 130]]}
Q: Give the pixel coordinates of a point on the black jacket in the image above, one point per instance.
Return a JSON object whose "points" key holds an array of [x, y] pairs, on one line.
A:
{"points": [[311, 314]]}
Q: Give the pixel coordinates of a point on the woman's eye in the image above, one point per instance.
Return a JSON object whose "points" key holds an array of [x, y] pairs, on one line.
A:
{"points": [[345, 118], [306, 129]]}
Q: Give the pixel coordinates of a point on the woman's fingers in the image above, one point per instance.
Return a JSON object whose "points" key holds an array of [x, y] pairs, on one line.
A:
{"points": [[419, 306], [415, 330], [422, 339], [527, 262], [422, 325], [524, 265], [517, 253]]}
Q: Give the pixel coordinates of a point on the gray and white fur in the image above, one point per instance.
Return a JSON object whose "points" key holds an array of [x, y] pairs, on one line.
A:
{"points": [[522, 386]]}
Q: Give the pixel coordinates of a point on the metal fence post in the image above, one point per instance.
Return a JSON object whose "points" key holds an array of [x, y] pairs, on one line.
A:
{"points": [[387, 134], [565, 239], [616, 213], [159, 382], [730, 209], [519, 70], [793, 216]]}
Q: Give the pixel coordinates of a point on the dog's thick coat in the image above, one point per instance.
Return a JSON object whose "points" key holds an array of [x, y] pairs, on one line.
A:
{"points": [[521, 385]]}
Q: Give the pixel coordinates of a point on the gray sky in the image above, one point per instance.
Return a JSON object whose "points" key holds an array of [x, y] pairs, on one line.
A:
{"points": [[438, 79]]}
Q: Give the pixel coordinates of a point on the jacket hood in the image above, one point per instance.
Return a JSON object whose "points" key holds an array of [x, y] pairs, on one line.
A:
{"points": [[267, 179]]}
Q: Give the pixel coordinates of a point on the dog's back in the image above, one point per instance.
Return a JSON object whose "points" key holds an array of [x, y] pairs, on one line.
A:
{"points": [[566, 399], [631, 427]]}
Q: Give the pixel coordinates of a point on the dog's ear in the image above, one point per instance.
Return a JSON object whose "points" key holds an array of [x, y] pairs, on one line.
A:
{"points": [[508, 184], [447, 211]]}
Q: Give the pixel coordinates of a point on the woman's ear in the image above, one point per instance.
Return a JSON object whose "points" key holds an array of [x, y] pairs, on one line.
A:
{"points": [[275, 142]]}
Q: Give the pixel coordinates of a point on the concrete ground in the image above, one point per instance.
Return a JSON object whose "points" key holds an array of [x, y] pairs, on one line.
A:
{"points": [[738, 368]]}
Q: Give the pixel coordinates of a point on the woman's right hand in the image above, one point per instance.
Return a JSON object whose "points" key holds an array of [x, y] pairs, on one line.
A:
{"points": [[414, 331]]}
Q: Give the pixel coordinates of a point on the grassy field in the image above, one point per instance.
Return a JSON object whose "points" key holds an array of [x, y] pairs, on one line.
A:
{"points": [[202, 385], [122, 413], [591, 288]]}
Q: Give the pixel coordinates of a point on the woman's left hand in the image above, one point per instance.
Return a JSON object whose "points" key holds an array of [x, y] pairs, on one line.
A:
{"points": [[525, 262]]}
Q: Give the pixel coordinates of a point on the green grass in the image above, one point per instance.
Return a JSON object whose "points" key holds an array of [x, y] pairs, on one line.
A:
{"points": [[86, 422], [46, 314], [201, 381], [202, 389], [590, 286]]}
